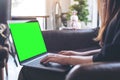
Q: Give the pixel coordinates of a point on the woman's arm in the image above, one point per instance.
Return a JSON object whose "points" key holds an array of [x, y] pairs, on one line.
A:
{"points": [[74, 60], [86, 53], [90, 52]]}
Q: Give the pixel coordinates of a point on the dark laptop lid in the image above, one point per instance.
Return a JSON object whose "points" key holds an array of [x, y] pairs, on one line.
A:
{"points": [[27, 38]]}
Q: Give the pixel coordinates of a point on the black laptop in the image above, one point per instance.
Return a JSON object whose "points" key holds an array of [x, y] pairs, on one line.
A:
{"points": [[30, 45]]}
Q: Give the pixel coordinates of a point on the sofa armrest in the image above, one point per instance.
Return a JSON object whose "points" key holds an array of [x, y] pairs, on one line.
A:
{"points": [[69, 39], [95, 71]]}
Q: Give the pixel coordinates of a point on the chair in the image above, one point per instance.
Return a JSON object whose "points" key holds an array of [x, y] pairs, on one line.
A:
{"points": [[3, 62], [4, 49], [81, 40], [5, 14]]}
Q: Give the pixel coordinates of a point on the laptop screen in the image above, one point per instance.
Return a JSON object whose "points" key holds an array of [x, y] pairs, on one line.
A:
{"points": [[27, 38]]}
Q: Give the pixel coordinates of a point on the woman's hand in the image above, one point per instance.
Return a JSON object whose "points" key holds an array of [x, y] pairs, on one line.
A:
{"points": [[57, 58], [69, 53]]}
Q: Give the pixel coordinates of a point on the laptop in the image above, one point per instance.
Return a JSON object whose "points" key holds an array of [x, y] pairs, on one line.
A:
{"points": [[30, 46]]}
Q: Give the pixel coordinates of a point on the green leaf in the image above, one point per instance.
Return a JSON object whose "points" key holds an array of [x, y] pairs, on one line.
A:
{"points": [[82, 10]]}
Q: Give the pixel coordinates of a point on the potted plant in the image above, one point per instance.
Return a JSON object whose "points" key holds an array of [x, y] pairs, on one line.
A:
{"points": [[82, 11]]}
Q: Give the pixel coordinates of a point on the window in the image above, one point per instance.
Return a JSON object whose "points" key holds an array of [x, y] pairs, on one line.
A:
{"points": [[93, 13], [28, 7], [45, 8]]}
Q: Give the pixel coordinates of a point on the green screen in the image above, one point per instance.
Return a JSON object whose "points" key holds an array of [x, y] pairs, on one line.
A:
{"points": [[28, 39]]}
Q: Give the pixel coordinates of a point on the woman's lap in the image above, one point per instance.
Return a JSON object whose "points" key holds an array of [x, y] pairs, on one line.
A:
{"points": [[28, 73]]}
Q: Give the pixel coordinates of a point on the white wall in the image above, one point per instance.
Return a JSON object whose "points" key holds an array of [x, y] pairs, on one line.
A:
{"points": [[65, 5]]}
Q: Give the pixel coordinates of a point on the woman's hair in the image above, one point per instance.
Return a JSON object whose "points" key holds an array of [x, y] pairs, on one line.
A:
{"points": [[107, 10]]}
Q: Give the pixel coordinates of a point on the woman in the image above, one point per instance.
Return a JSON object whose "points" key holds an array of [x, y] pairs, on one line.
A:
{"points": [[109, 38]]}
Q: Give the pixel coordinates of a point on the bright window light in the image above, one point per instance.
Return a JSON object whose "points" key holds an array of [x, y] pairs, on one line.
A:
{"points": [[28, 7]]}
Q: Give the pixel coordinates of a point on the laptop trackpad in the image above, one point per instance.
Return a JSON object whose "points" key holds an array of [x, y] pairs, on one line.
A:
{"points": [[51, 66]]}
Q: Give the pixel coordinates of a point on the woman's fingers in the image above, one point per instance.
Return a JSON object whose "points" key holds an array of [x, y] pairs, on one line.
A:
{"points": [[44, 59], [48, 58], [62, 52], [65, 52], [68, 53], [57, 58]]}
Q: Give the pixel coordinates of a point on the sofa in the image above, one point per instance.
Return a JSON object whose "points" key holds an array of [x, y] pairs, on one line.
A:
{"points": [[57, 40], [81, 40]]}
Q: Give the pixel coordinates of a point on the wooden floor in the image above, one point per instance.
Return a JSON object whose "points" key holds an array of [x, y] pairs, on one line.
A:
{"points": [[13, 71]]}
